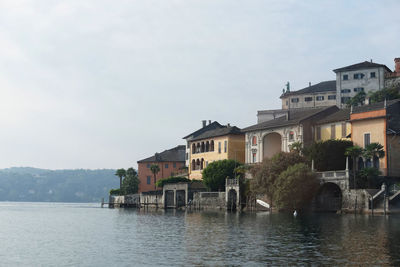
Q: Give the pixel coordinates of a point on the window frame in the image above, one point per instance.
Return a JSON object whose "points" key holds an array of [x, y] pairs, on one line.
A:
{"points": [[369, 137]]}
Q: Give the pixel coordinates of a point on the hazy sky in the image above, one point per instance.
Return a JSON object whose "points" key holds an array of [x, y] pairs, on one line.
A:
{"points": [[102, 84]]}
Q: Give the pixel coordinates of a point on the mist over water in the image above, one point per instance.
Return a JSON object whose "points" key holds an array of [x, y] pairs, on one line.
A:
{"points": [[61, 234]]}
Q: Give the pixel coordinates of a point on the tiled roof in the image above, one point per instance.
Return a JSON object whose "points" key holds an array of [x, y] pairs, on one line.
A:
{"points": [[326, 86], [211, 126], [362, 65], [225, 130], [374, 106], [340, 115], [173, 154], [295, 117]]}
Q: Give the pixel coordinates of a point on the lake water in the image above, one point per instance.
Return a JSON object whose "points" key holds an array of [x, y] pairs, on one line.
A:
{"points": [[57, 234]]}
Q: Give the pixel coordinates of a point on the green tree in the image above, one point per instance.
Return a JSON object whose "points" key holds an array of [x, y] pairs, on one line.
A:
{"points": [[295, 187], [357, 100], [354, 152], [296, 147], [121, 173], [216, 172], [130, 184], [386, 93], [266, 173], [369, 177], [374, 150], [155, 169]]}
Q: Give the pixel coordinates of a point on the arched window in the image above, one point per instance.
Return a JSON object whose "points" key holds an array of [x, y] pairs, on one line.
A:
{"points": [[254, 141], [376, 162], [291, 136], [193, 165], [212, 145], [207, 146], [197, 164], [198, 148], [203, 147], [193, 149], [201, 164]]}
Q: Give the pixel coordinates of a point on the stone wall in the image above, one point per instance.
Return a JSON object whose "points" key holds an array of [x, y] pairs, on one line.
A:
{"points": [[209, 200], [154, 200], [124, 201], [349, 197]]}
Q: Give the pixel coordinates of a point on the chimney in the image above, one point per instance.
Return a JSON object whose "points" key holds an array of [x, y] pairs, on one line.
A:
{"points": [[309, 84], [371, 60], [397, 64], [204, 123], [229, 125], [209, 122]]}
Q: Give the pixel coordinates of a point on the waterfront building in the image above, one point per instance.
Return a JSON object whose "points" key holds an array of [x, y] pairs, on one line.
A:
{"points": [[265, 139], [171, 162], [378, 123], [334, 126], [319, 95], [365, 77], [211, 143], [393, 79]]}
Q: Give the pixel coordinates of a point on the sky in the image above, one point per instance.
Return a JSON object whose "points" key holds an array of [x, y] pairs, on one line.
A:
{"points": [[103, 84]]}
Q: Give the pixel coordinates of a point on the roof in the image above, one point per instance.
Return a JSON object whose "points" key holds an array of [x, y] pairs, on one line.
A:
{"points": [[225, 130], [211, 126], [173, 154], [374, 106], [362, 65], [326, 86], [340, 115], [295, 117]]}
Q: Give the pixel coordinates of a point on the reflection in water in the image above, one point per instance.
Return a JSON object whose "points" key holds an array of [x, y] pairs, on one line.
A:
{"points": [[47, 234]]}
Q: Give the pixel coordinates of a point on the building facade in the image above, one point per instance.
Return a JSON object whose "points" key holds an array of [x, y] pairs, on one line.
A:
{"points": [[378, 123], [265, 139], [171, 162], [361, 77], [223, 142], [335, 126]]}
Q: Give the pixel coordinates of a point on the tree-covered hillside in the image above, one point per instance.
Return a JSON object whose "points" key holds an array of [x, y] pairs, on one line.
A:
{"points": [[31, 184]]}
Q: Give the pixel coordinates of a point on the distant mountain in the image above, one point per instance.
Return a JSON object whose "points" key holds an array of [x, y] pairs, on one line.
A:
{"points": [[32, 184]]}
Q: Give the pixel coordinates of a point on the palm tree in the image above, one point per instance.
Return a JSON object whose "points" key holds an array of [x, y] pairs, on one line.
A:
{"points": [[154, 169], [354, 152], [120, 173], [373, 151]]}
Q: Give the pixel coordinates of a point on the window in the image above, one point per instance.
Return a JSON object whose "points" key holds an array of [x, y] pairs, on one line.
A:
{"points": [[219, 147], [345, 91], [308, 99], [148, 179], [345, 77], [148, 165], [254, 159], [166, 165], [212, 145], [320, 98], [254, 141], [295, 100], [344, 130], [358, 76], [359, 89], [372, 75], [225, 146], [291, 136], [318, 133], [367, 139], [174, 164], [287, 102], [333, 131], [331, 97], [345, 99]]}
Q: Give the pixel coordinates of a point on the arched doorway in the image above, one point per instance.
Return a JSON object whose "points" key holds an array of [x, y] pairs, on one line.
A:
{"points": [[232, 199], [272, 144], [329, 198]]}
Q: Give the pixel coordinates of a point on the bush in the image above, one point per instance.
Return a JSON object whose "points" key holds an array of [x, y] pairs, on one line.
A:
{"points": [[172, 180], [215, 173], [115, 192], [328, 155], [130, 185], [295, 187]]}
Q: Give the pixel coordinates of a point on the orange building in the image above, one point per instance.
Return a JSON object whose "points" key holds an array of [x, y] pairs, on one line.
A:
{"points": [[379, 123], [171, 162]]}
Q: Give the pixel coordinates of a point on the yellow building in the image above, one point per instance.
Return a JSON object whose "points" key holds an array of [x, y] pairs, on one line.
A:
{"points": [[334, 126], [211, 143], [378, 123]]}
